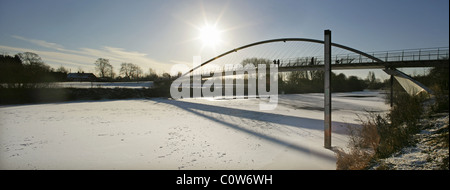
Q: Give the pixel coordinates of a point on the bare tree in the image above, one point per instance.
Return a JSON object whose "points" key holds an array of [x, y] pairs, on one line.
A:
{"points": [[62, 69], [256, 61], [104, 68], [125, 70], [30, 58], [371, 77], [33, 62], [130, 70], [166, 75], [136, 71], [152, 74]]}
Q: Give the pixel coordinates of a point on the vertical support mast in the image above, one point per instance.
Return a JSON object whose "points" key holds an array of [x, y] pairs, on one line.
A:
{"points": [[391, 81], [327, 90]]}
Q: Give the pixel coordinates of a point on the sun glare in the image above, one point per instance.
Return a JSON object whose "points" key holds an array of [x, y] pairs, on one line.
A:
{"points": [[210, 36]]}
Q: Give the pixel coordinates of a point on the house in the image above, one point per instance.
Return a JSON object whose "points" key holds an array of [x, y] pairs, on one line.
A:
{"points": [[81, 77]]}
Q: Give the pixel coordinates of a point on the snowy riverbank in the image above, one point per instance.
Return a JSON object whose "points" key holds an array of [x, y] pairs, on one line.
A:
{"points": [[428, 153]]}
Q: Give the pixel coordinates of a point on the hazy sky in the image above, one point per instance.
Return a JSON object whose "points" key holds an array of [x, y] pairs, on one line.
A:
{"points": [[159, 33]]}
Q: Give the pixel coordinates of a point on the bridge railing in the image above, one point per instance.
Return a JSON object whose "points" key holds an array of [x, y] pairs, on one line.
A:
{"points": [[424, 54], [413, 54], [386, 56]]}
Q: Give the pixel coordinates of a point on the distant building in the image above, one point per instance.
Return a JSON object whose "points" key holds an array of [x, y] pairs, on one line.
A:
{"points": [[81, 77]]}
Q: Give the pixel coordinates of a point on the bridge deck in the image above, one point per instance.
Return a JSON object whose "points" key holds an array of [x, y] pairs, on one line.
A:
{"points": [[368, 65]]}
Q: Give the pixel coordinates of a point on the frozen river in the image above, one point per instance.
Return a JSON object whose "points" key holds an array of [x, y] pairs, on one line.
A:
{"points": [[178, 134]]}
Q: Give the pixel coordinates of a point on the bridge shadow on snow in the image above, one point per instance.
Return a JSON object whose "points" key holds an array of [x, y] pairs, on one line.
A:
{"points": [[298, 122]]}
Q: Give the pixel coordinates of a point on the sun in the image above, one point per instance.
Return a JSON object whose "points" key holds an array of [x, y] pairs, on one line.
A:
{"points": [[210, 35]]}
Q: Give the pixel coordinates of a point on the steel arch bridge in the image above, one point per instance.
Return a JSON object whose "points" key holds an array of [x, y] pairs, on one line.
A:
{"points": [[437, 57], [426, 57], [388, 61]]}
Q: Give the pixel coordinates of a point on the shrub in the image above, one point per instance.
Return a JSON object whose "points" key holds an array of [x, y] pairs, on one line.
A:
{"points": [[407, 109], [441, 103], [357, 159], [379, 136], [364, 141]]}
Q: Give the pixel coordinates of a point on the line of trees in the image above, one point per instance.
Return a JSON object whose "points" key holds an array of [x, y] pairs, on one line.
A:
{"points": [[127, 72], [312, 81], [28, 70], [25, 70]]}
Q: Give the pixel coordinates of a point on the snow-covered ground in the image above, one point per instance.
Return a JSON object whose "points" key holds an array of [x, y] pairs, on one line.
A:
{"points": [[427, 154], [178, 134]]}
